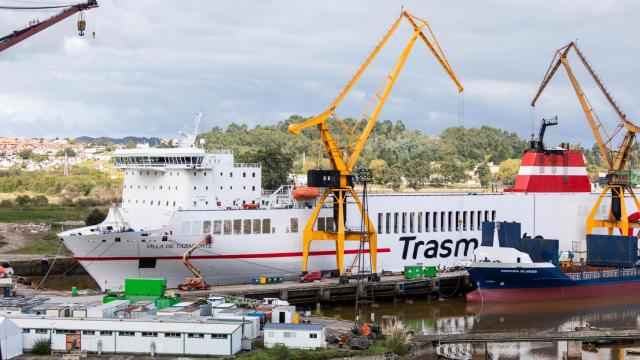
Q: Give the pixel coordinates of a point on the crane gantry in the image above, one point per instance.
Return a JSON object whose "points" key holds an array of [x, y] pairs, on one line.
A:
{"points": [[338, 183], [616, 160]]}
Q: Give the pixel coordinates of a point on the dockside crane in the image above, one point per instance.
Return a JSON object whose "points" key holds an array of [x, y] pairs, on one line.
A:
{"points": [[338, 183], [617, 178], [35, 27]]}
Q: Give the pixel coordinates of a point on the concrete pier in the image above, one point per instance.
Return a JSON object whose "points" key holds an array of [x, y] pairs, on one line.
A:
{"points": [[330, 290]]}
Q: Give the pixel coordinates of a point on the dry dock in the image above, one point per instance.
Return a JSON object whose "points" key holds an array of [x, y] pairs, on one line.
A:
{"points": [[330, 290]]}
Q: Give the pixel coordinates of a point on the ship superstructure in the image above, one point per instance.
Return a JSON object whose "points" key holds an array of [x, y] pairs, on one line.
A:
{"points": [[172, 197]]}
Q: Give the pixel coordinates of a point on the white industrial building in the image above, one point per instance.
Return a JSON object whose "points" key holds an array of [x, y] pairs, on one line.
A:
{"points": [[140, 336], [10, 339], [295, 336], [283, 314]]}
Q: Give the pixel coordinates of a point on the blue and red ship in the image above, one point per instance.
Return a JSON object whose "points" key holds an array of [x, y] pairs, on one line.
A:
{"points": [[505, 274]]}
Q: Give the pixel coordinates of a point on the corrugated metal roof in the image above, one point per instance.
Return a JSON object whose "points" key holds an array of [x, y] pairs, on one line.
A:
{"points": [[287, 326]]}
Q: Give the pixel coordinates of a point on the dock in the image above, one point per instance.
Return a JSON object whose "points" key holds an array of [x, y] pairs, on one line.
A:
{"points": [[583, 335], [447, 284]]}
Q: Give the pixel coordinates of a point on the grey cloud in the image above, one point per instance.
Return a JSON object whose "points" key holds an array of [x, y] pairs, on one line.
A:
{"points": [[154, 63]]}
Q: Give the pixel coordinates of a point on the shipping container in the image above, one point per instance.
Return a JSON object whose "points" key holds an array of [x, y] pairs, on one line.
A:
{"points": [[541, 250], [145, 287], [430, 271], [612, 250], [509, 233], [413, 271]]}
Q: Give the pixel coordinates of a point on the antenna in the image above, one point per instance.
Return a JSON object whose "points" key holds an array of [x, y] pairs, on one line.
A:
{"points": [[196, 122]]}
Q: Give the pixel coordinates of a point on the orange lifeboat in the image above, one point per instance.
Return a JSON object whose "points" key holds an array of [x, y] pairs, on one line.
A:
{"points": [[250, 206], [305, 193]]}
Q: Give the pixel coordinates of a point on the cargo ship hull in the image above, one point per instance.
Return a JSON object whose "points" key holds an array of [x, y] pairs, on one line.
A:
{"points": [[522, 284]]}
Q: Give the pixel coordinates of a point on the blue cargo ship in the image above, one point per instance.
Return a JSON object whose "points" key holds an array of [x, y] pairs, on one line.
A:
{"points": [[505, 274]]}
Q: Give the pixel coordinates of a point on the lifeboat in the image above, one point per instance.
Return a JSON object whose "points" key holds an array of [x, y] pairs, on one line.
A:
{"points": [[306, 193], [250, 206]]}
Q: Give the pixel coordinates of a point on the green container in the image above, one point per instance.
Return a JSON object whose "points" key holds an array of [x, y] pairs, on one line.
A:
{"points": [[145, 287], [413, 272], [430, 271], [136, 298], [279, 279], [162, 303], [112, 297], [74, 291]]}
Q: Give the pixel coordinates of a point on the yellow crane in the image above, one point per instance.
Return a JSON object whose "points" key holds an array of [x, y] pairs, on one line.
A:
{"points": [[338, 183], [616, 160]]}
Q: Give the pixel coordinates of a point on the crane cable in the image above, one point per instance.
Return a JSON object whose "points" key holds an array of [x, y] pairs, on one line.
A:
{"points": [[2, 7]]}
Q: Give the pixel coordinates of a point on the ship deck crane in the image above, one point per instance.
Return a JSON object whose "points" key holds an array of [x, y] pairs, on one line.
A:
{"points": [[33, 28], [338, 183], [196, 282], [616, 160]]}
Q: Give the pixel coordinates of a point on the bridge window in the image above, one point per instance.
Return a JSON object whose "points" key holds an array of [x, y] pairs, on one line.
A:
{"points": [[206, 227], [247, 226], [256, 226], [227, 227], [396, 218], [412, 222], [237, 226], [217, 225], [266, 226], [387, 223]]}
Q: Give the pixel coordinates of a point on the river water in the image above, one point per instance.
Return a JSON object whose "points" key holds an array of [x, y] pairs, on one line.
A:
{"points": [[456, 316]]}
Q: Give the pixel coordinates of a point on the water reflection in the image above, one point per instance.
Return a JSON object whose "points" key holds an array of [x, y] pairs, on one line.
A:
{"points": [[456, 316]]}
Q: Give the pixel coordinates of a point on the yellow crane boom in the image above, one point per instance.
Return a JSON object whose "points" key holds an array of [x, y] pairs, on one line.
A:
{"points": [[338, 184], [617, 182]]}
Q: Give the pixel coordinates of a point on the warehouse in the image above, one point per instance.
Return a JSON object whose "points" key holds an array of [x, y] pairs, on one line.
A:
{"points": [[144, 336]]}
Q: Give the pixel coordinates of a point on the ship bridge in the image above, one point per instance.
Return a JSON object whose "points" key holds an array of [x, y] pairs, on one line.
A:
{"points": [[169, 158]]}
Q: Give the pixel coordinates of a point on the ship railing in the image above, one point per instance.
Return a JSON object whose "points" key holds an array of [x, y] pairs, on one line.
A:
{"points": [[590, 275]]}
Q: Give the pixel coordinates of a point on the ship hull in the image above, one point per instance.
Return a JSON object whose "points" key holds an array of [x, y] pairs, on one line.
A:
{"points": [[432, 229], [555, 293], [514, 283]]}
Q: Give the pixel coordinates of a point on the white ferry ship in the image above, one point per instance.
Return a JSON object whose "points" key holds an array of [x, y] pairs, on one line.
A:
{"points": [[172, 197]]}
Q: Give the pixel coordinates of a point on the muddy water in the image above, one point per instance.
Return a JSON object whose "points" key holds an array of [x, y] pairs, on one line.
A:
{"points": [[61, 282], [455, 315]]}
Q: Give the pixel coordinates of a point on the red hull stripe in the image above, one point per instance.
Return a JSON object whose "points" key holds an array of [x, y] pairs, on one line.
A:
{"points": [[235, 256], [567, 158], [559, 293], [552, 183]]}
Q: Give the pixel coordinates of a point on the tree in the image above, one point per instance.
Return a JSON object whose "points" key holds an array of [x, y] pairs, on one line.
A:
{"points": [[484, 173], [23, 200], [67, 151], [25, 154], [380, 171], [417, 173], [275, 163], [130, 145], [451, 172], [508, 171], [95, 217]]}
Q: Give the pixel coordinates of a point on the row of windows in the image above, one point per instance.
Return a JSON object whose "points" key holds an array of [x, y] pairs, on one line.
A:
{"points": [[195, 173], [158, 160], [233, 227], [325, 224], [125, 333], [413, 222]]}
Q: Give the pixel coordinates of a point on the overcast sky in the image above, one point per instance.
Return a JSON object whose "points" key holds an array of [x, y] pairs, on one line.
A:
{"points": [[154, 63]]}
